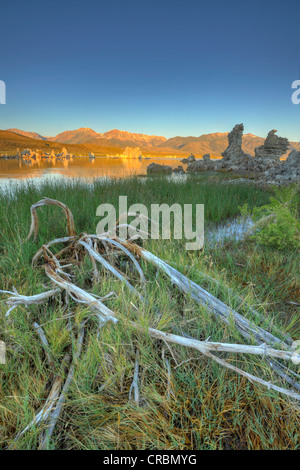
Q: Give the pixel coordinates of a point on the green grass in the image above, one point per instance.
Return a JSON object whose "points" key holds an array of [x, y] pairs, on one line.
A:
{"points": [[203, 406]]}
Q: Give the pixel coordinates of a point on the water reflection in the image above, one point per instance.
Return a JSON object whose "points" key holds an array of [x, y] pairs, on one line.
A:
{"points": [[78, 167]]}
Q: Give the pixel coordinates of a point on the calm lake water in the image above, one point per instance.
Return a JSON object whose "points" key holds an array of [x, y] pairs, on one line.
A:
{"points": [[80, 167]]}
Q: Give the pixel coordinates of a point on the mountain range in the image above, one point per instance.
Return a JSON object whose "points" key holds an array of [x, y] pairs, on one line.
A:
{"points": [[214, 143], [86, 135]]}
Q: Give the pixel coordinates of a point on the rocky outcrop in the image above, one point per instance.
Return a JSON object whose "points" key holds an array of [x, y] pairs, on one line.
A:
{"points": [[293, 160], [267, 156], [273, 148], [27, 153], [234, 155], [285, 172], [206, 164], [190, 159], [130, 152], [37, 155], [179, 169], [63, 153], [155, 168]]}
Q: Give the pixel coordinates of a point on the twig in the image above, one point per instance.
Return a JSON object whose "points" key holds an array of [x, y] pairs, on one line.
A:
{"points": [[108, 266], [168, 366], [18, 299], [135, 383], [45, 343], [253, 378]]}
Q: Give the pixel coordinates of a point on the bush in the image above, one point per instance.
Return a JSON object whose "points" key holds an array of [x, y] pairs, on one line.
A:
{"points": [[277, 223]]}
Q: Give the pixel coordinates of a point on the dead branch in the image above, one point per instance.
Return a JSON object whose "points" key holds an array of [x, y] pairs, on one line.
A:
{"points": [[44, 341], [50, 202], [135, 382], [253, 378], [18, 299], [108, 266], [204, 346], [104, 313]]}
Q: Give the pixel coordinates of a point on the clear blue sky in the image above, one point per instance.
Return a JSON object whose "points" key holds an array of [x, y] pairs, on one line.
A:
{"points": [[159, 67]]}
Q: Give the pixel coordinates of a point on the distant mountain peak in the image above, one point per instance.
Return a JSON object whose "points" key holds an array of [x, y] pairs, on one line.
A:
{"points": [[32, 135]]}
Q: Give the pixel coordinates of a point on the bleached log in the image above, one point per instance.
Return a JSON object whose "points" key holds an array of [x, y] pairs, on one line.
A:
{"points": [[247, 329], [204, 346]]}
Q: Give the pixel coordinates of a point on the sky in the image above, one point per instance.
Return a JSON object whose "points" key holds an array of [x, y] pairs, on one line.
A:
{"points": [[155, 67]]}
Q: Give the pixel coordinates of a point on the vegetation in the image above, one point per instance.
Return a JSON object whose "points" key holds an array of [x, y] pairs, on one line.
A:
{"points": [[277, 224], [201, 405]]}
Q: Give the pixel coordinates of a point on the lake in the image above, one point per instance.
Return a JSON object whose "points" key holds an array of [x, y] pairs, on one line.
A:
{"points": [[80, 167]]}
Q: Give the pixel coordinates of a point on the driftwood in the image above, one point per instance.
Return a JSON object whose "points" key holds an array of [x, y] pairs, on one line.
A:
{"points": [[101, 249], [105, 314], [18, 299], [50, 202]]}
